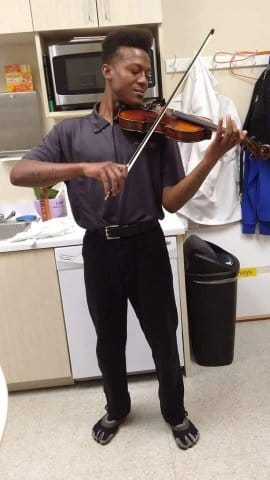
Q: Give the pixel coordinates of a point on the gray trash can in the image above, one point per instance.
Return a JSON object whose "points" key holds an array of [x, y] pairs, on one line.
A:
{"points": [[211, 284]]}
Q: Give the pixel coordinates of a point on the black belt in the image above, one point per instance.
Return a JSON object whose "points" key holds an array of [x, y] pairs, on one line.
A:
{"points": [[115, 232]]}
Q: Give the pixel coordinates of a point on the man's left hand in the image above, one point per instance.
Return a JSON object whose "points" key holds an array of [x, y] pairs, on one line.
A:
{"points": [[225, 138]]}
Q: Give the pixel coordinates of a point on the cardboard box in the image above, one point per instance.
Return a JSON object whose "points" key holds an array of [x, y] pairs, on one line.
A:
{"points": [[19, 78]]}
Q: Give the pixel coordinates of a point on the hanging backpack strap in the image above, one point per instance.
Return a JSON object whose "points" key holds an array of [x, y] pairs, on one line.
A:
{"points": [[241, 172]]}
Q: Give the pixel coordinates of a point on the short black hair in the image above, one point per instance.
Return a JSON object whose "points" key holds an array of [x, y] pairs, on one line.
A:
{"points": [[126, 37]]}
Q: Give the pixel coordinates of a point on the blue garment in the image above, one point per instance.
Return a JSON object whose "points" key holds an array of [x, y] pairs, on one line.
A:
{"points": [[256, 195]]}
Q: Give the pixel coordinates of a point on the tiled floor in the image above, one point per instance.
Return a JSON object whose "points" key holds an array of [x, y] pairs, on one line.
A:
{"points": [[48, 431]]}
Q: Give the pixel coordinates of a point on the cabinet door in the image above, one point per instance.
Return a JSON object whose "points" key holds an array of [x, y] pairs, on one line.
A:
{"points": [[63, 14], [132, 12], [33, 346], [15, 16]]}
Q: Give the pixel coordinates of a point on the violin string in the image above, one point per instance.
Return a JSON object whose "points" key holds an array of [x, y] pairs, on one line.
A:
{"points": [[208, 124]]}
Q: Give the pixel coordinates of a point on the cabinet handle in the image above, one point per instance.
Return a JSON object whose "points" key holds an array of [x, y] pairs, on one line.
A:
{"points": [[89, 4], [106, 10]]}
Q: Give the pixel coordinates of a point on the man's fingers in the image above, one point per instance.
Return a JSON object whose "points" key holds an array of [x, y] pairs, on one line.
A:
{"points": [[112, 176], [118, 176], [230, 135], [220, 130], [105, 180]]}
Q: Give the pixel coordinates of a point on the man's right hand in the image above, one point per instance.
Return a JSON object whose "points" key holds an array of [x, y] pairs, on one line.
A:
{"points": [[33, 173], [111, 174]]}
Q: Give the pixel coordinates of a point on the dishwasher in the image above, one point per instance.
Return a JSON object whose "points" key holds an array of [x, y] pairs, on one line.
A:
{"points": [[80, 331]]}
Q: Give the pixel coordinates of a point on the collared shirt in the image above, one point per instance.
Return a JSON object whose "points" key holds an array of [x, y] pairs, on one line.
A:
{"points": [[93, 139]]}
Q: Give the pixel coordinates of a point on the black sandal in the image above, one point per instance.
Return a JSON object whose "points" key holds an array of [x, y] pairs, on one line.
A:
{"points": [[104, 430], [185, 434]]}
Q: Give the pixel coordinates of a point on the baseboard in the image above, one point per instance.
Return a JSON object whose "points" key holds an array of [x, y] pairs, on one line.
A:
{"points": [[251, 318], [54, 382]]}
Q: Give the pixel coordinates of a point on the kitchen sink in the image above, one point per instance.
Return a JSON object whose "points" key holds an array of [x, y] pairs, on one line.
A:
{"points": [[9, 229]]}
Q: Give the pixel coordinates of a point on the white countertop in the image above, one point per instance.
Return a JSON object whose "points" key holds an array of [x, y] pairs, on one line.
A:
{"points": [[171, 225]]}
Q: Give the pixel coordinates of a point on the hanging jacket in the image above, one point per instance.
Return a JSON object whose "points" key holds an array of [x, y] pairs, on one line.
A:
{"points": [[208, 206], [257, 122], [256, 195], [255, 203]]}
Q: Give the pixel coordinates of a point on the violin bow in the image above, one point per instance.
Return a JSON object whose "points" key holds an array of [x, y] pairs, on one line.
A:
{"points": [[141, 146]]}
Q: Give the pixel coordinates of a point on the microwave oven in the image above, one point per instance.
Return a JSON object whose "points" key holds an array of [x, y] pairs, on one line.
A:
{"points": [[77, 80]]}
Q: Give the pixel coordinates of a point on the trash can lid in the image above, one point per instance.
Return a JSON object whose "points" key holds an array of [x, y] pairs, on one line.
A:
{"points": [[203, 257], [195, 244]]}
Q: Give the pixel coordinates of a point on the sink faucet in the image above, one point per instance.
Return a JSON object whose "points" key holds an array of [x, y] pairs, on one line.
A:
{"points": [[3, 219]]}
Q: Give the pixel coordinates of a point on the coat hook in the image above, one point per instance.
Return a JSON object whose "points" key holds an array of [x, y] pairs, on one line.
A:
{"points": [[254, 59], [174, 63], [213, 64]]}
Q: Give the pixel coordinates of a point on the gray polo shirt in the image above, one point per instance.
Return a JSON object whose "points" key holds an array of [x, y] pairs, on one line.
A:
{"points": [[92, 139]]}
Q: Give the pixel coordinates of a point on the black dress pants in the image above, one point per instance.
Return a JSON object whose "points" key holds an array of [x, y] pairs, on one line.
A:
{"points": [[135, 268]]}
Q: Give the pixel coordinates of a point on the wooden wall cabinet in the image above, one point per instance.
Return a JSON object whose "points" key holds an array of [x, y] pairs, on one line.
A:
{"points": [[15, 16], [33, 345], [72, 14], [63, 14], [132, 12]]}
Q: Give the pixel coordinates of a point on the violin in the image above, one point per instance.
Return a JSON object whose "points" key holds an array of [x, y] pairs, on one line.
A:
{"points": [[171, 126], [180, 127]]}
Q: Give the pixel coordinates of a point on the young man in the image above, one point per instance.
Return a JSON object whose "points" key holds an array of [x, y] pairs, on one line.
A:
{"points": [[124, 251]]}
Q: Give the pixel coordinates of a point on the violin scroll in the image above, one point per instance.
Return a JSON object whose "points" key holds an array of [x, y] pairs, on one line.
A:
{"points": [[264, 152], [259, 150]]}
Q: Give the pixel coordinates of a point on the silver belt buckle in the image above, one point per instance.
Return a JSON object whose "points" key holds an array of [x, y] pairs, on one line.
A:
{"points": [[107, 232]]}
